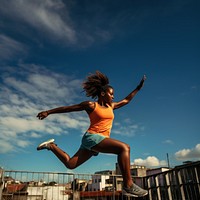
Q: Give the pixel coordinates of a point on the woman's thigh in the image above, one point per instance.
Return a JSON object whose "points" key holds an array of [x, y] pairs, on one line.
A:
{"points": [[109, 145]]}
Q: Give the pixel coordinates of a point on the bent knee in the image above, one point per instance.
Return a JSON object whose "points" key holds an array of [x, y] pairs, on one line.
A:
{"points": [[125, 147], [70, 166]]}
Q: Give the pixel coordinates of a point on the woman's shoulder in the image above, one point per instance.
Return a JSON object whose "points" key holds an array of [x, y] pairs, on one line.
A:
{"points": [[89, 105]]}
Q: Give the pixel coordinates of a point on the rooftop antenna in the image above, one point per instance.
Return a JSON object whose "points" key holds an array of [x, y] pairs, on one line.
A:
{"points": [[168, 160]]}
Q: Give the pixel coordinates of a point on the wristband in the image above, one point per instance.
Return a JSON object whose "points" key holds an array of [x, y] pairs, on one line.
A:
{"points": [[138, 87]]}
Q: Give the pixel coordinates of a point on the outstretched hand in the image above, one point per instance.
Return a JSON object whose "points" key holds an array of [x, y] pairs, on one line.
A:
{"points": [[42, 115], [141, 82]]}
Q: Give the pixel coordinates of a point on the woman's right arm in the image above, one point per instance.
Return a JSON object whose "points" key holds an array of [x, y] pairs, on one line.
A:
{"points": [[86, 105]]}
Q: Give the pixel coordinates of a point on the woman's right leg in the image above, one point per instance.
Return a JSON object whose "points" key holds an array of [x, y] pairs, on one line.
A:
{"points": [[80, 156], [122, 150]]}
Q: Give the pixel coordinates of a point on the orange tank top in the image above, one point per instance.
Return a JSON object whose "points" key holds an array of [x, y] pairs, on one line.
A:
{"points": [[101, 120]]}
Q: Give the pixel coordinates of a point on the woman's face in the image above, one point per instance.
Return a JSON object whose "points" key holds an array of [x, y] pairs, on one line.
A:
{"points": [[109, 95]]}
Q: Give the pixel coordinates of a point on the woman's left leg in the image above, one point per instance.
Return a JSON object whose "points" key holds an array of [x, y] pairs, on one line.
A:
{"points": [[81, 156]]}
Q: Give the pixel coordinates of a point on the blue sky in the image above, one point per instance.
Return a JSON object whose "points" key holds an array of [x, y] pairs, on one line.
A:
{"points": [[47, 48]]}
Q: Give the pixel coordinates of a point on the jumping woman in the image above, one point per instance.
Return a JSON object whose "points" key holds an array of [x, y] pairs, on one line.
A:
{"points": [[97, 137]]}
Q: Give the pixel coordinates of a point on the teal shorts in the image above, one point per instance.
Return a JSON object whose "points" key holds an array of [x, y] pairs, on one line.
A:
{"points": [[89, 140]]}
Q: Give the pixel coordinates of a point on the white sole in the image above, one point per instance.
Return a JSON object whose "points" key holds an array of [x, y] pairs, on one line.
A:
{"points": [[133, 195], [128, 194], [45, 143]]}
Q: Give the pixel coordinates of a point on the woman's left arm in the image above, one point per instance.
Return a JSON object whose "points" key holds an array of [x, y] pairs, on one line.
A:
{"points": [[127, 99]]}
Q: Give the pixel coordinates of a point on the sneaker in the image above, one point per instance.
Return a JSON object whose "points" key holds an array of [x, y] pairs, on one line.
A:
{"points": [[134, 191], [45, 145]]}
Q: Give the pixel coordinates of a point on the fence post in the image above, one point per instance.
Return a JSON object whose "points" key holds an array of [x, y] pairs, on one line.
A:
{"points": [[197, 180], [158, 187], [181, 185], [149, 187], [1, 182], [168, 186]]}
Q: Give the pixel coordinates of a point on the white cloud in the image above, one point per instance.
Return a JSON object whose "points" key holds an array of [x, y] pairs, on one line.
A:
{"points": [[45, 16], [19, 124], [27, 90], [168, 141], [150, 161], [10, 47], [72, 22], [127, 128], [38, 83], [56, 21], [188, 154], [5, 146], [23, 143]]}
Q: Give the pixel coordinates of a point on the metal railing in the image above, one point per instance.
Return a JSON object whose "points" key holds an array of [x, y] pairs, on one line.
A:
{"points": [[26, 185], [180, 183]]}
